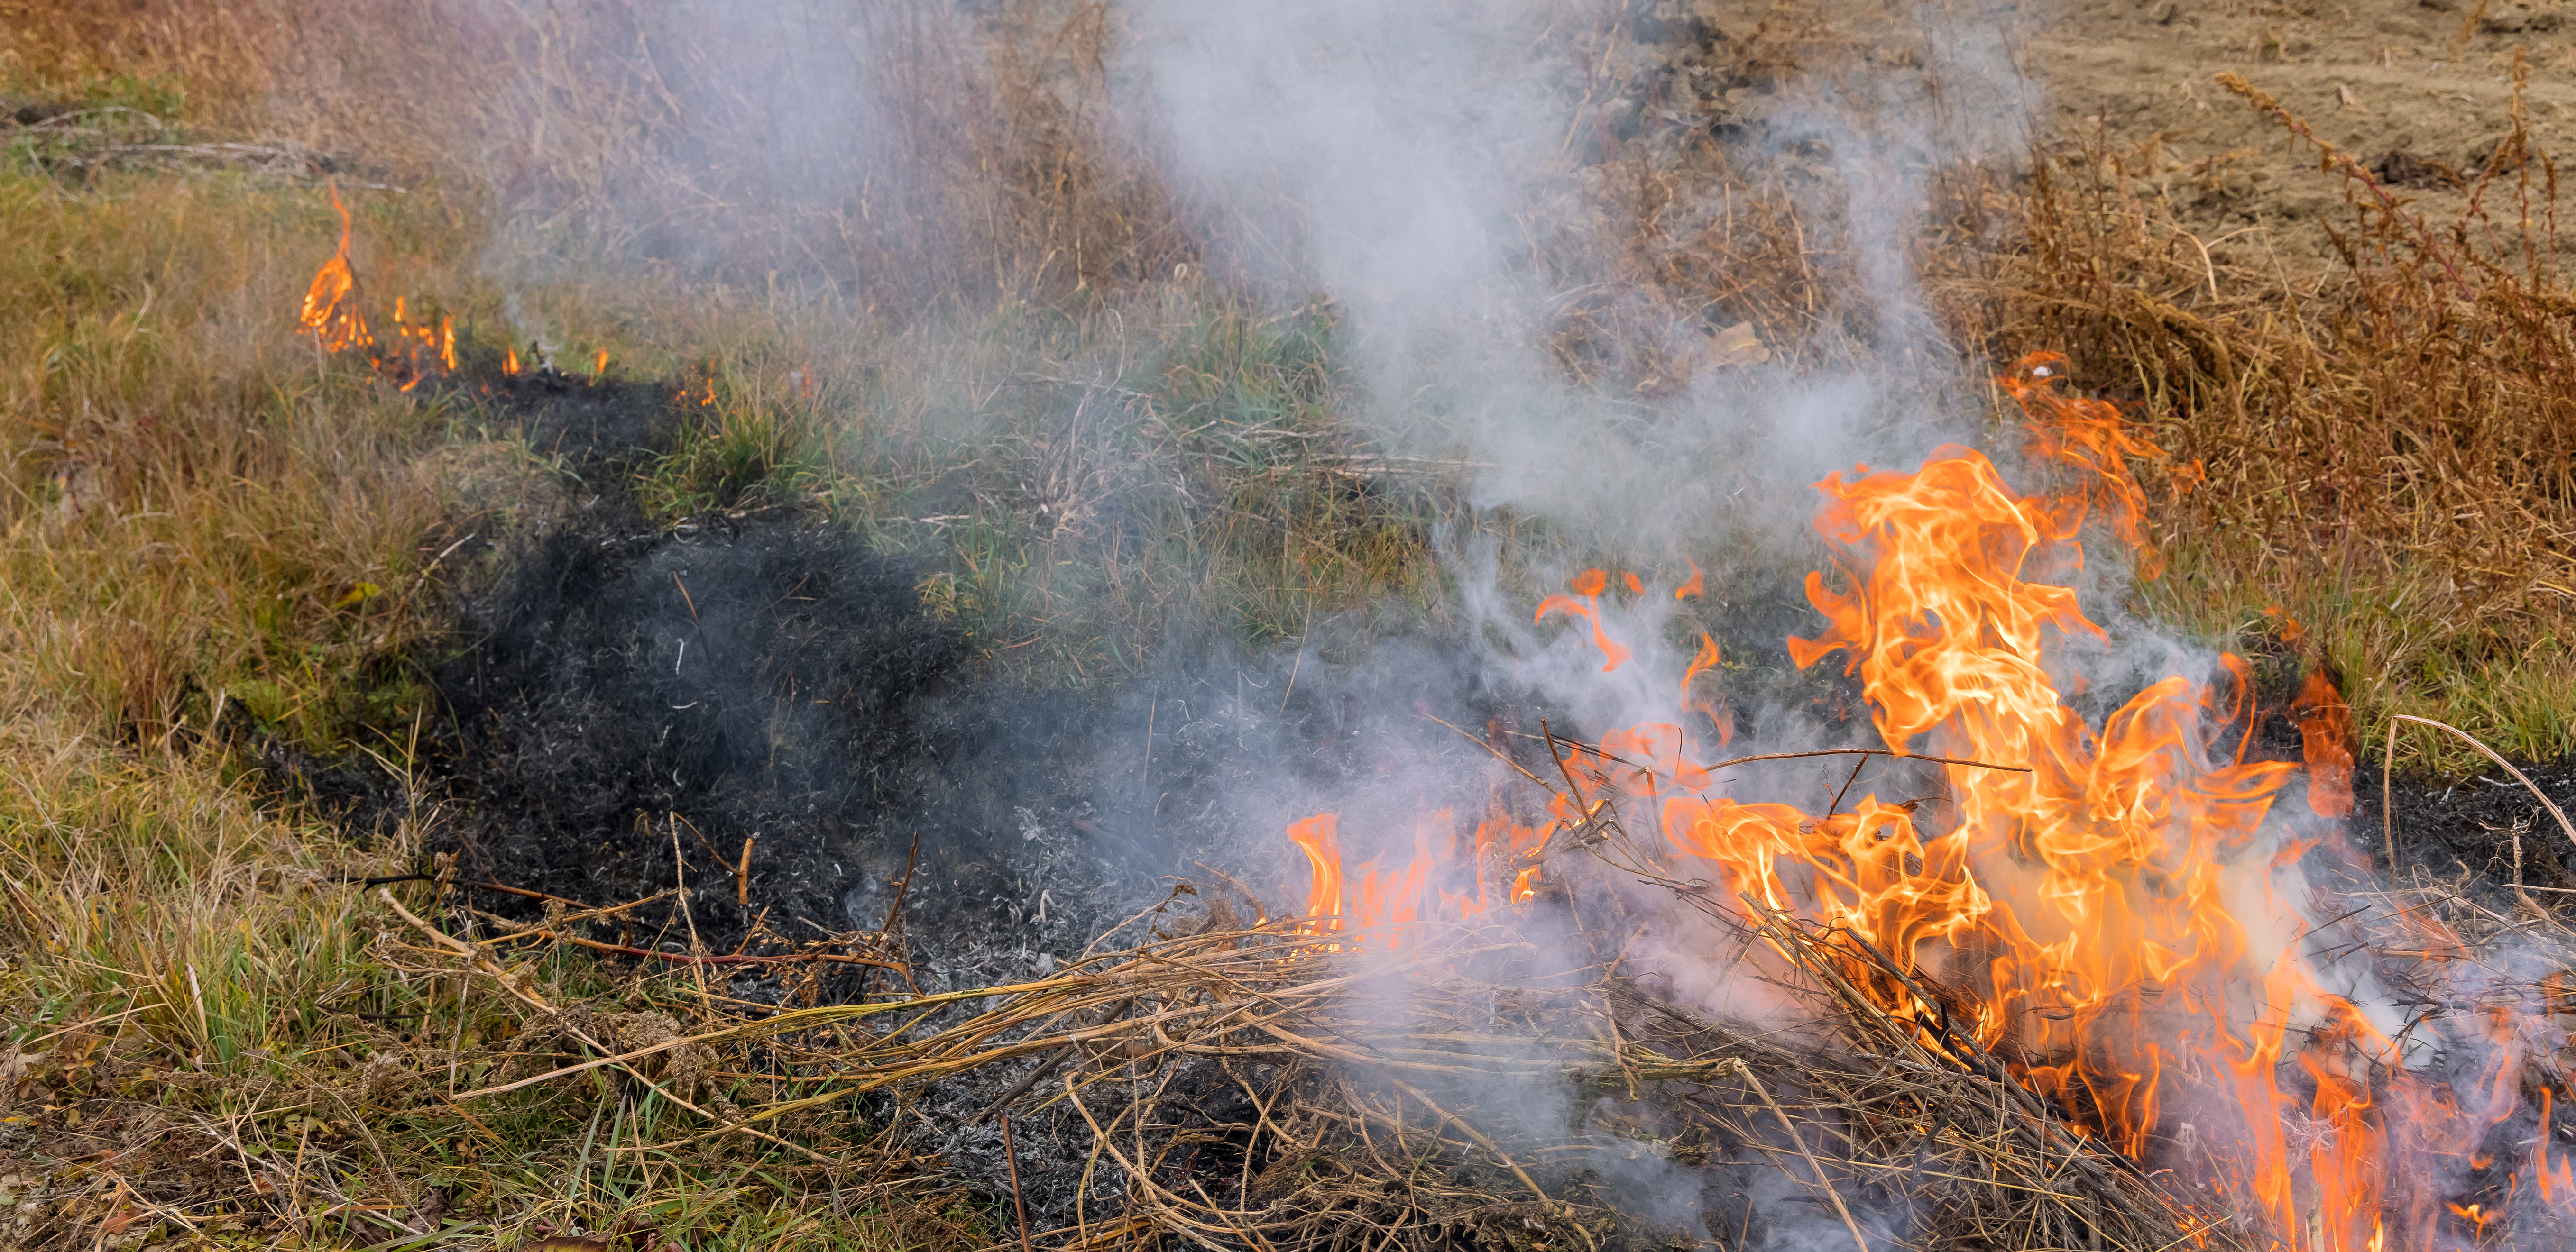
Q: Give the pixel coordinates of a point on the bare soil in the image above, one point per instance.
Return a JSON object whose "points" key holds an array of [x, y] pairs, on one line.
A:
{"points": [[2418, 91]]}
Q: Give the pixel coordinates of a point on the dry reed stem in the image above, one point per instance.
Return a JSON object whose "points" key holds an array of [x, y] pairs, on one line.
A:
{"points": [[1169, 1009]]}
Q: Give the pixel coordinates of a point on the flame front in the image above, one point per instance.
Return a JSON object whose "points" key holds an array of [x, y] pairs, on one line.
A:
{"points": [[2095, 911], [1387, 899]]}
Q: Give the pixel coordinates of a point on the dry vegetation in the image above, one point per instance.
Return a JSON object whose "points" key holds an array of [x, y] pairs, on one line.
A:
{"points": [[1009, 359], [2385, 444]]}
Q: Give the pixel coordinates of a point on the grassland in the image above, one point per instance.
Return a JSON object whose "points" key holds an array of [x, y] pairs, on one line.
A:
{"points": [[217, 538]]}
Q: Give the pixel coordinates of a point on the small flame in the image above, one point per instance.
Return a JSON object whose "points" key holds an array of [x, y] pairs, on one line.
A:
{"points": [[1714, 707], [1432, 884], [1585, 603], [2291, 630], [510, 362], [2326, 742], [1695, 585], [412, 351], [330, 303], [417, 350]]}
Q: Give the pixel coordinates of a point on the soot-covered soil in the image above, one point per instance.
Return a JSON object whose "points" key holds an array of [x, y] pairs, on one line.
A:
{"points": [[2469, 827], [631, 701], [635, 702]]}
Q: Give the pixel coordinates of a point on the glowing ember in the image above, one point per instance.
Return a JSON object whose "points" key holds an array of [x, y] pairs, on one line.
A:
{"points": [[2092, 911]]}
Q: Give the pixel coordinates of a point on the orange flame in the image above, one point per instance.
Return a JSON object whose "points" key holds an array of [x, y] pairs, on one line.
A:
{"points": [[1713, 707], [330, 304], [2090, 436], [1585, 603], [418, 350], [2325, 741], [1695, 585], [2091, 912], [1384, 900], [413, 350], [1319, 837]]}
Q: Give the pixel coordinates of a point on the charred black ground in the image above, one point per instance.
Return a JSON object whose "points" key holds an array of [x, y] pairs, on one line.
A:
{"points": [[633, 702], [629, 703]]}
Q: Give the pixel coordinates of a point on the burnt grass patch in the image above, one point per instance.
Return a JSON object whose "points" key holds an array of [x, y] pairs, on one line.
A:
{"points": [[2468, 828], [629, 705]]}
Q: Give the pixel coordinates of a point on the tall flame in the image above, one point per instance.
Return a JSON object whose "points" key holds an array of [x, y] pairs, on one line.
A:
{"points": [[330, 303], [413, 350], [2094, 911]]}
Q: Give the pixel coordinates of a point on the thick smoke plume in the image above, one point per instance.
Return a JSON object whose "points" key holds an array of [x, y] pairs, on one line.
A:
{"points": [[1435, 176]]}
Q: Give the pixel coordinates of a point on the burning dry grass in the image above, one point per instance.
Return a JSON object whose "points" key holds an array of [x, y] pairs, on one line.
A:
{"points": [[206, 517], [1231, 1087], [2384, 444]]}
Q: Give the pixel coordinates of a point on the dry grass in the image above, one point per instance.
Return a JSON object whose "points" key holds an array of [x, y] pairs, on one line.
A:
{"points": [[897, 158], [196, 505], [2386, 446], [988, 360]]}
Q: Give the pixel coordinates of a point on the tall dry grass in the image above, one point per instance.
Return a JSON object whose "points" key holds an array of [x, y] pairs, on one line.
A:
{"points": [[911, 207], [2389, 448], [901, 155]]}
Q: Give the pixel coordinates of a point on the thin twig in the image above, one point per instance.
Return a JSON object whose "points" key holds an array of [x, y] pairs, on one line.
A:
{"points": [[2492, 755], [1745, 1072]]}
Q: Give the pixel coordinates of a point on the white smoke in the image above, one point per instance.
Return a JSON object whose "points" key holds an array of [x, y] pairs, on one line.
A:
{"points": [[1399, 161]]}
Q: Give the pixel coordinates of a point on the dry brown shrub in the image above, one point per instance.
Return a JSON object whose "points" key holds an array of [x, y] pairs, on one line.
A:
{"points": [[897, 155], [2387, 446]]}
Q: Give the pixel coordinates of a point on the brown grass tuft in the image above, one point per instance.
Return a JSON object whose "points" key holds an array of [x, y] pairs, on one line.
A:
{"points": [[2387, 445]]}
